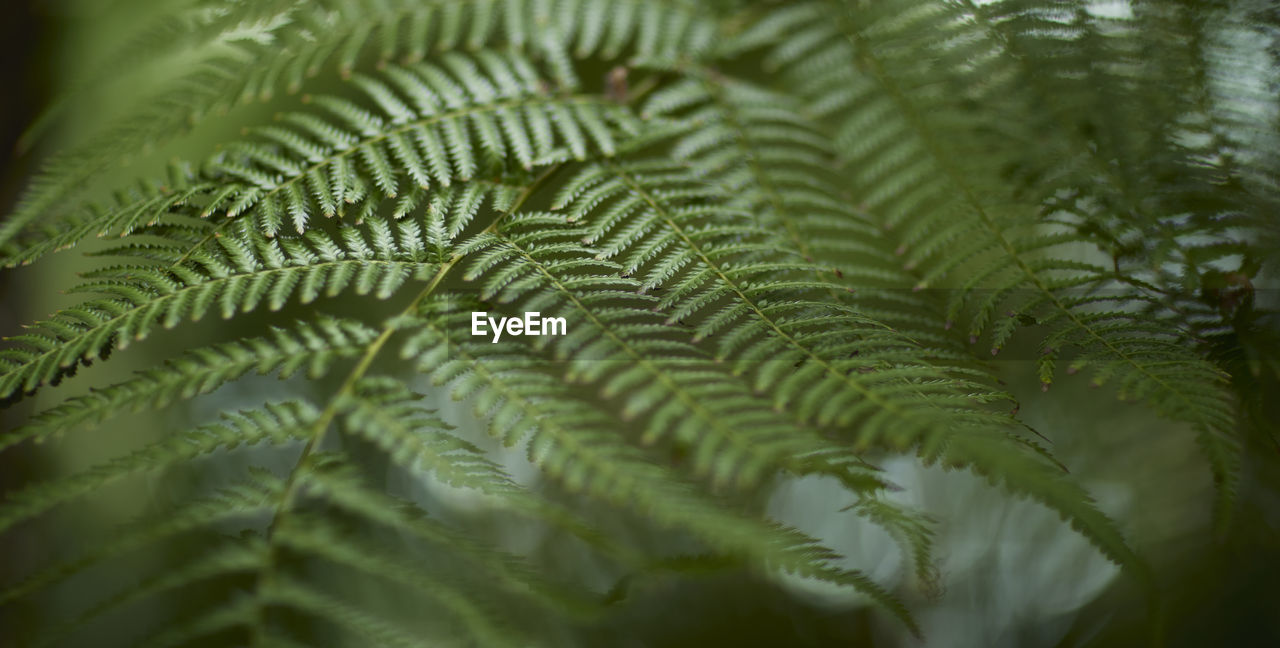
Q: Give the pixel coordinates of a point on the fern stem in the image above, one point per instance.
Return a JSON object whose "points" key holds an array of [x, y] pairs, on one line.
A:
{"points": [[290, 490]]}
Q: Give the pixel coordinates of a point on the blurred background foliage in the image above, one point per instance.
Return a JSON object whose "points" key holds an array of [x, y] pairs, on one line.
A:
{"points": [[1009, 572]]}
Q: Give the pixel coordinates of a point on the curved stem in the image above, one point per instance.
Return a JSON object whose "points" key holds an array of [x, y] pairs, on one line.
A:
{"points": [[289, 493]]}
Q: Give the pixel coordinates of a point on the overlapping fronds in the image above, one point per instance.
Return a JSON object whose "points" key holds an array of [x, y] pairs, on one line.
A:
{"points": [[275, 423], [778, 164], [232, 51], [419, 126], [768, 309], [773, 234], [425, 445], [310, 349], [980, 220], [580, 445], [882, 394], [230, 276]]}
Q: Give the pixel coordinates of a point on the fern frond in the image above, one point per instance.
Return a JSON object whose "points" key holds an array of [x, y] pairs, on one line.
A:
{"points": [[775, 233], [339, 485], [134, 207], [429, 125], [241, 501], [734, 435], [235, 558], [868, 383], [309, 348], [576, 443], [234, 275], [298, 40], [214, 622], [320, 538], [433, 125], [358, 622], [777, 163], [721, 278], [912, 532], [275, 424], [1023, 471], [385, 413]]}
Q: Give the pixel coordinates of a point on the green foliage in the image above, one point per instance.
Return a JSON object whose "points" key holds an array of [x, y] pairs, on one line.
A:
{"points": [[777, 231]]}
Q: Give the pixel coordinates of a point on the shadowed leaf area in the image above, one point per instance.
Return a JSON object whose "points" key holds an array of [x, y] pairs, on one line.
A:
{"points": [[811, 323]]}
